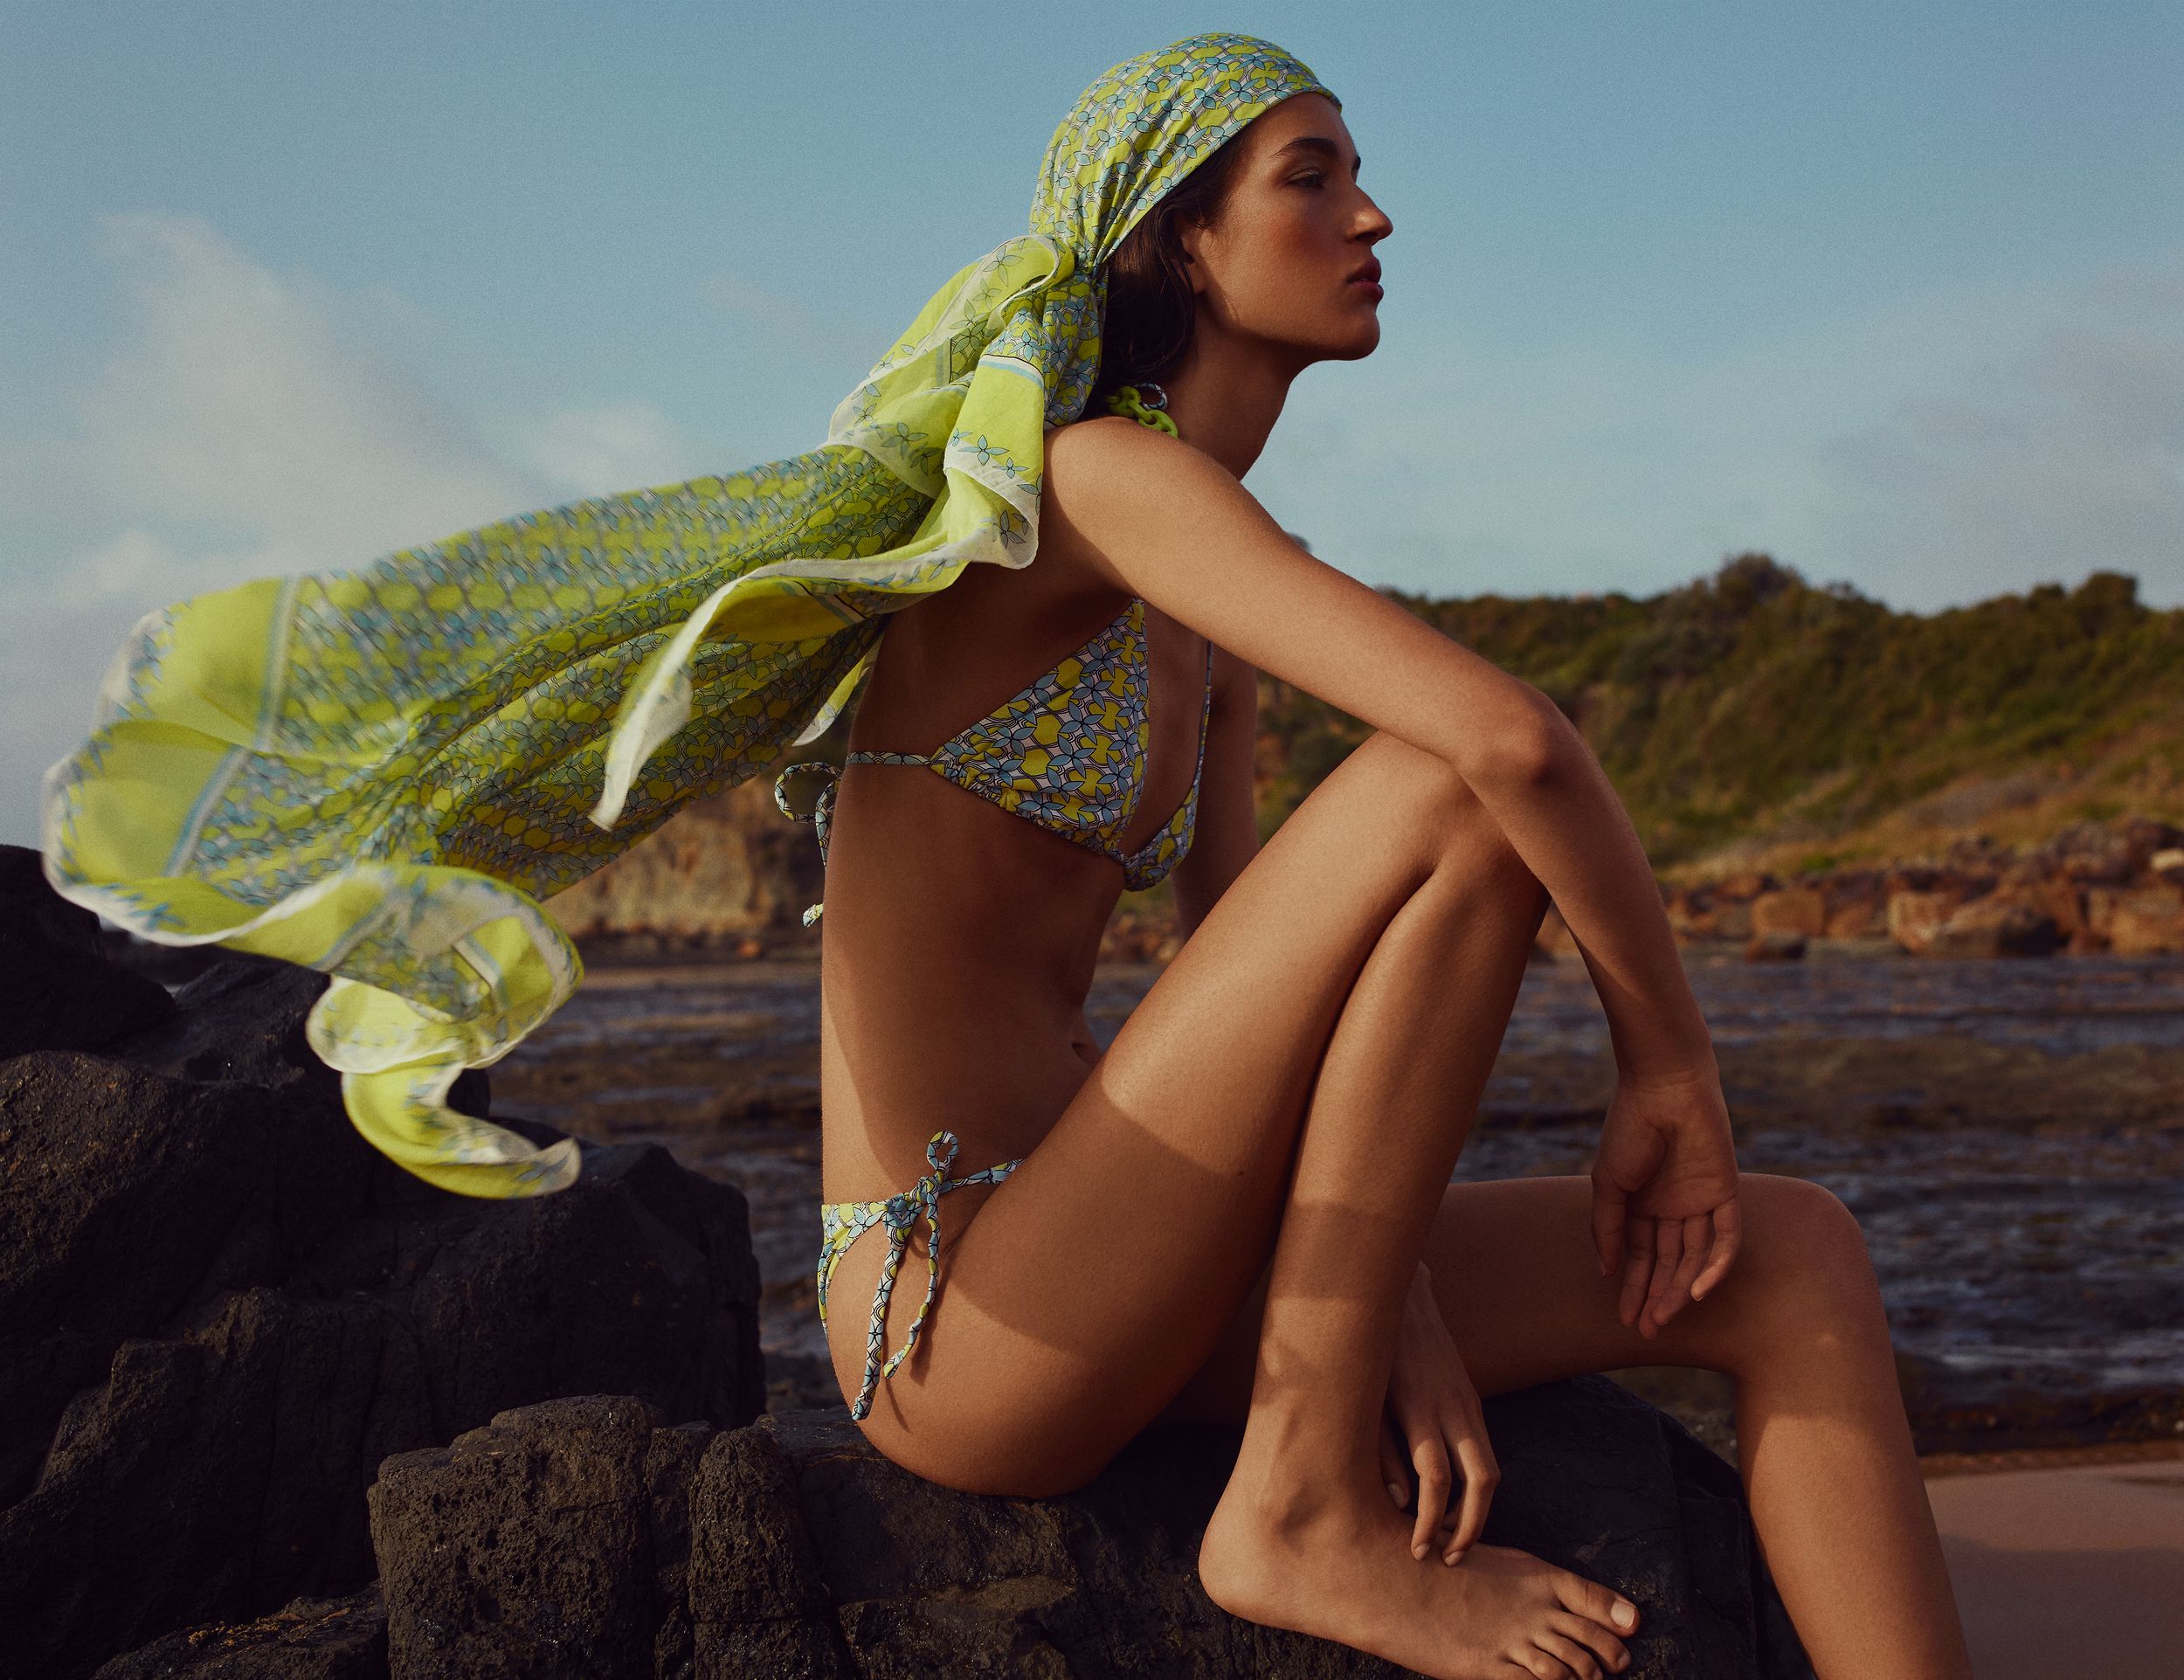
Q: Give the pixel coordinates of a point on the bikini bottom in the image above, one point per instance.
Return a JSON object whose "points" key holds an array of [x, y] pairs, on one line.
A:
{"points": [[841, 1223]]}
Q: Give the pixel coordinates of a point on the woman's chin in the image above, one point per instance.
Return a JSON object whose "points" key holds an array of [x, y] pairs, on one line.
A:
{"points": [[1360, 340]]}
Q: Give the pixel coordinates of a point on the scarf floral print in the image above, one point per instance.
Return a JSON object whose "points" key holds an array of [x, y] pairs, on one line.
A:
{"points": [[380, 773]]}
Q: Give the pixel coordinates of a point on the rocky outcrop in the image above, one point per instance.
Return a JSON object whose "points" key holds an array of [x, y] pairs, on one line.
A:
{"points": [[2089, 888], [58, 991], [220, 1309], [729, 876], [1790, 909], [589, 1538], [2143, 921], [306, 1639]]}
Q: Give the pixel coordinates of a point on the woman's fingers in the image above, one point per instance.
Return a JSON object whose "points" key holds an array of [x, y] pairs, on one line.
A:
{"points": [[1698, 1236], [1481, 1476], [1667, 1249], [1430, 1459], [1728, 1238], [1394, 1470], [1637, 1266]]}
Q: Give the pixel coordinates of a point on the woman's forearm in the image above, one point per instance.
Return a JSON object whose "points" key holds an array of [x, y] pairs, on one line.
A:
{"points": [[1563, 819]]}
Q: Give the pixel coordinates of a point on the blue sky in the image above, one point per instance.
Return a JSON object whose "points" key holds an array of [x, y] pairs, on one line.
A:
{"points": [[1893, 291]]}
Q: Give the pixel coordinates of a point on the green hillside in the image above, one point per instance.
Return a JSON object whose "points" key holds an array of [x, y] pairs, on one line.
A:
{"points": [[1753, 712]]}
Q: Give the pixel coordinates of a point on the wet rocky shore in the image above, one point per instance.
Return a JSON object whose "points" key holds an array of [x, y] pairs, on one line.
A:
{"points": [[270, 1407], [2011, 1135]]}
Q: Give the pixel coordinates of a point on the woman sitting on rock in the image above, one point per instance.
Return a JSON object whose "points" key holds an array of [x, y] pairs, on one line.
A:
{"points": [[1241, 1211]]}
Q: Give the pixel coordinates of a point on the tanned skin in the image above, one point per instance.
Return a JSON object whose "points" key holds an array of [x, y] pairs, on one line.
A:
{"points": [[1241, 1210]]}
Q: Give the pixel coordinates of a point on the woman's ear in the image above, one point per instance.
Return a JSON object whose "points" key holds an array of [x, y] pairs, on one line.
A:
{"points": [[1188, 235]]}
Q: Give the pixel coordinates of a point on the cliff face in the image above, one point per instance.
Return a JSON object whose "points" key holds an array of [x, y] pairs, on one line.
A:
{"points": [[716, 874], [731, 875]]}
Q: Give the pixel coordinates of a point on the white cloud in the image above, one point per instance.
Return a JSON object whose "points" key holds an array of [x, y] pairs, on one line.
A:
{"points": [[1929, 449], [2059, 453], [251, 403], [733, 295], [246, 424], [599, 451]]}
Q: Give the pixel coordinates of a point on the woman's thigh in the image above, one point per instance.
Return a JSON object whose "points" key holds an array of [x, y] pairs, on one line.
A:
{"points": [[1079, 1296], [1520, 1283]]}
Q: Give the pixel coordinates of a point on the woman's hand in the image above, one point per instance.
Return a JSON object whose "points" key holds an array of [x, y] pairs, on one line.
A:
{"points": [[1432, 1427], [1664, 1194]]}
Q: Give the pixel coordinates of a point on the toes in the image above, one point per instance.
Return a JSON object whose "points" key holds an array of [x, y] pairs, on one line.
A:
{"points": [[1594, 1637], [1572, 1656], [1541, 1666], [1588, 1598]]}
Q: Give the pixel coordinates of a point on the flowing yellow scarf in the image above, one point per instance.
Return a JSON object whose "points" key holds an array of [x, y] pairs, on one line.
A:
{"points": [[380, 773]]}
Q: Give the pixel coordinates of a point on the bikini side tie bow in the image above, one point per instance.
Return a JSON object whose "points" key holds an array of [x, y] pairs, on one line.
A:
{"points": [[899, 1212]]}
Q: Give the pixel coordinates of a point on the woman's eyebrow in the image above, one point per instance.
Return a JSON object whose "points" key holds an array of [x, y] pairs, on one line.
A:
{"points": [[1318, 144]]}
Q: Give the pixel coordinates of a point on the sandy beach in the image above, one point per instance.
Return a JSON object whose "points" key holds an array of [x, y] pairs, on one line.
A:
{"points": [[2067, 1565]]}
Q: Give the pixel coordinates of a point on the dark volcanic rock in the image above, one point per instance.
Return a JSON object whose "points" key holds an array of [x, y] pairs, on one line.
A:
{"points": [[306, 1639], [57, 991], [536, 1547], [220, 1309], [584, 1537]]}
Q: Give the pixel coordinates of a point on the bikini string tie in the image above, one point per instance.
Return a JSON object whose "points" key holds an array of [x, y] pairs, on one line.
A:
{"points": [[899, 1214], [820, 814]]}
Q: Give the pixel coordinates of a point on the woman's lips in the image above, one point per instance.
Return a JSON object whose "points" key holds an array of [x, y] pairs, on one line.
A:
{"points": [[1371, 286]]}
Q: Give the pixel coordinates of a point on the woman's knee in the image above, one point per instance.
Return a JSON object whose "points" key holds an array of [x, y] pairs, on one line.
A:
{"points": [[1813, 1224], [1476, 856], [1426, 794], [1811, 1277]]}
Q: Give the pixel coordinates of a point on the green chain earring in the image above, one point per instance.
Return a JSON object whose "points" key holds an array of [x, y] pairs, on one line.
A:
{"points": [[1146, 409]]}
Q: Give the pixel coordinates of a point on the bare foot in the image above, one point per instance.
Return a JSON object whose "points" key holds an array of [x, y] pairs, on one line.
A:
{"points": [[1345, 1571]]}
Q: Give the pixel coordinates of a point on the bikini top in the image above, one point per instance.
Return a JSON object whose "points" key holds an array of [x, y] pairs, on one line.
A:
{"points": [[1066, 752]]}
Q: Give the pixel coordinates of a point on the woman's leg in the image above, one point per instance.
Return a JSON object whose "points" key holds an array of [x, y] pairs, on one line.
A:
{"points": [[1822, 1438], [1304, 1534], [1353, 985], [1824, 1447], [1080, 1295]]}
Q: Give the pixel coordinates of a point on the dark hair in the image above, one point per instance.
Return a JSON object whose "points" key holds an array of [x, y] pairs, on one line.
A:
{"points": [[1151, 308]]}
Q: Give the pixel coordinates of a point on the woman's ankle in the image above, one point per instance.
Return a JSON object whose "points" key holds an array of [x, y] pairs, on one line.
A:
{"points": [[1293, 1475]]}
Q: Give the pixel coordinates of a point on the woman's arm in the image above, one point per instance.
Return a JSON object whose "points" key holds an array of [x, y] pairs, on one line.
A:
{"points": [[1159, 520], [1225, 835]]}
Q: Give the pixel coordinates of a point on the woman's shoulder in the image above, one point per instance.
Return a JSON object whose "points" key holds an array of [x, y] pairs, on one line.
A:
{"points": [[1098, 437], [1109, 459]]}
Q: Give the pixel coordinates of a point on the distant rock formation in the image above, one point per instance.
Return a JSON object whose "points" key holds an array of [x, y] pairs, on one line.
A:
{"points": [[731, 876], [2088, 887], [716, 874]]}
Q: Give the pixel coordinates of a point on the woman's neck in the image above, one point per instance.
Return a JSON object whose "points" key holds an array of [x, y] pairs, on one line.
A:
{"points": [[1226, 393]]}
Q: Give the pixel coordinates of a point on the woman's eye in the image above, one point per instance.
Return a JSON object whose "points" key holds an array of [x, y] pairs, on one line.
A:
{"points": [[1301, 180]]}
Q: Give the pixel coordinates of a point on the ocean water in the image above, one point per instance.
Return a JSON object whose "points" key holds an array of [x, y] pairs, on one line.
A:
{"points": [[2010, 1134]]}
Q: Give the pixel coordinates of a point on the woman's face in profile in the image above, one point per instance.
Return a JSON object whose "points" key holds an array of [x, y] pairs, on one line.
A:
{"points": [[1280, 262]]}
